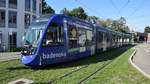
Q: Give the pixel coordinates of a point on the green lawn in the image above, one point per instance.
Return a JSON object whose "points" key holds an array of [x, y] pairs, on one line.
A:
{"points": [[119, 71]]}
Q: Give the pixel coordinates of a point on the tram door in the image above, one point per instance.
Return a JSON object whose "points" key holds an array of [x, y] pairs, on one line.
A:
{"points": [[0, 41], [53, 42], [72, 38], [104, 42]]}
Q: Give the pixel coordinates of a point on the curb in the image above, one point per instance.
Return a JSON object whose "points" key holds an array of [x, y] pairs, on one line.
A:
{"points": [[135, 66]]}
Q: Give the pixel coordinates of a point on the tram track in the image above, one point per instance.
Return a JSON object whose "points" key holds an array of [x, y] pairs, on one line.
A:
{"points": [[101, 67], [94, 72], [1, 61], [8, 67], [106, 57], [9, 70], [67, 74], [54, 79], [16, 75], [51, 81], [5, 70]]}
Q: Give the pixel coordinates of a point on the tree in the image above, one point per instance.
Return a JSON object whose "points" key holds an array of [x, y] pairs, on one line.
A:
{"points": [[65, 11], [120, 25], [78, 12], [46, 9], [92, 19], [102, 22], [122, 21], [105, 23], [147, 29], [126, 29], [117, 25]]}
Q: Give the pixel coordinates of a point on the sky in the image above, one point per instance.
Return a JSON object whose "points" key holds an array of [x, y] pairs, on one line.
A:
{"points": [[136, 12]]}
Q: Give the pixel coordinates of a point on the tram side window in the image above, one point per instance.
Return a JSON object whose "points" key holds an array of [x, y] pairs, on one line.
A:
{"points": [[107, 37], [100, 39], [116, 39], [113, 38], [89, 34], [82, 37], [54, 36], [72, 35]]}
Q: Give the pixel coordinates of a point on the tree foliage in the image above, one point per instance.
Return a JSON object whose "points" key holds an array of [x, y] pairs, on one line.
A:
{"points": [[105, 23], [147, 29], [65, 12], [46, 9], [117, 25], [79, 12], [92, 19], [76, 12], [120, 25]]}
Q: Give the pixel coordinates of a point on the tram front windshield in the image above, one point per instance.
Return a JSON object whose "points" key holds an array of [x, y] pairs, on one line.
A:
{"points": [[34, 33]]}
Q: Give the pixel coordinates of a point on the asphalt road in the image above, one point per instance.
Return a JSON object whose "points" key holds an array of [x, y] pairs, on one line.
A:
{"points": [[5, 56], [142, 57]]}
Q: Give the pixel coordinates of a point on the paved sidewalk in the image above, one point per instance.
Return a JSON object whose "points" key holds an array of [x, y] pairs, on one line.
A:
{"points": [[5, 56], [142, 57]]}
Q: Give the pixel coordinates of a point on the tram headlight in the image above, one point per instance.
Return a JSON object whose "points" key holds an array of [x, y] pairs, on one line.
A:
{"points": [[27, 51]]}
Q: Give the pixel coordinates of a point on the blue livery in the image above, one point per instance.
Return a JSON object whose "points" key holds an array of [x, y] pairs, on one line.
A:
{"points": [[57, 38]]}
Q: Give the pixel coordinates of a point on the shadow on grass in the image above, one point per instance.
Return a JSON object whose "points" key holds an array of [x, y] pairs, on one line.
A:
{"points": [[99, 57], [18, 68]]}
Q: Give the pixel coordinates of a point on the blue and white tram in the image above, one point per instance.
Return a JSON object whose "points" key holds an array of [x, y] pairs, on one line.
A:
{"points": [[57, 39]]}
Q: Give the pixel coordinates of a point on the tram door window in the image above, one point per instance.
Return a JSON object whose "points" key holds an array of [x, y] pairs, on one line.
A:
{"points": [[128, 40], [107, 37], [85, 37], [108, 40], [113, 39], [54, 36], [82, 37], [0, 41], [123, 39], [100, 39], [101, 34], [89, 40], [119, 40], [105, 40], [72, 36], [116, 40]]}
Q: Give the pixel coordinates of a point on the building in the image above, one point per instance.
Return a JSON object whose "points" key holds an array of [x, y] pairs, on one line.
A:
{"points": [[148, 37], [140, 37], [15, 17]]}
